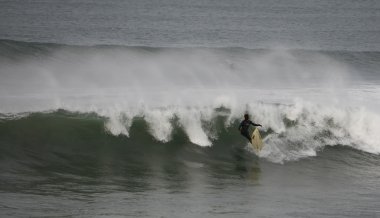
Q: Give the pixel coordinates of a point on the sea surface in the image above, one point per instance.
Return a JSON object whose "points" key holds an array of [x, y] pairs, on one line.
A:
{"points": [[131, 108]]}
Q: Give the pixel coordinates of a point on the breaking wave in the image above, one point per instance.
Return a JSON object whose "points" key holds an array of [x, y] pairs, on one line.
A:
{"points": [[290, 132], [75, 95]]}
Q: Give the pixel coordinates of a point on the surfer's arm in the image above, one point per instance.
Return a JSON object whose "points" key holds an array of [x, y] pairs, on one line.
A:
{"points": [[255, 124]]}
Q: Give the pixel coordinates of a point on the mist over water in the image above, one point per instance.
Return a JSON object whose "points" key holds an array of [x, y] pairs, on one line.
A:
{"points": [[142, 73]]}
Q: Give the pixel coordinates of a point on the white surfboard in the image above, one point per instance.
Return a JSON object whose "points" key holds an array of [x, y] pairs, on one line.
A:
{"points": [[256, 140]]}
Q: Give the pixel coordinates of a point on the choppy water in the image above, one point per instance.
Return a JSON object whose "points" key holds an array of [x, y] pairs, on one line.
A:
{"points": [[131, 108]]}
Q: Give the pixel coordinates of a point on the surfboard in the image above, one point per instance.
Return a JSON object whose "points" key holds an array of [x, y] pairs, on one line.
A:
{"points": [[256, 140]]}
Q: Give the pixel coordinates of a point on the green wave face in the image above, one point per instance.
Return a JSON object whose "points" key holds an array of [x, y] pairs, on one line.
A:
{"points": [[64, 135]]}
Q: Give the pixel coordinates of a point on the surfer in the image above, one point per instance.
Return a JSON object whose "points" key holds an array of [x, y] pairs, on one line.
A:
{"points": [[244, 126]]}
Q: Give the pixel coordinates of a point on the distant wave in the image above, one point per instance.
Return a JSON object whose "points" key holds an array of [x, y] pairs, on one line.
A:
{"points": [[25, 46]]}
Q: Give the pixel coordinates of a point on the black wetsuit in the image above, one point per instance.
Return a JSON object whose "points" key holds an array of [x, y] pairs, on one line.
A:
{"points": [[244, 127]]}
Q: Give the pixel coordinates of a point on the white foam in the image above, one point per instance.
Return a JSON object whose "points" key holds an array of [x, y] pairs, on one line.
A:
{"points": [[159, 121], [191, 123], [317, 126], [118, 125]]}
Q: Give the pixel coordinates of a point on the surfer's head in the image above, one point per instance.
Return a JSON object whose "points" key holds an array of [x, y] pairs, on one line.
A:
{"points": [[246, 116]]}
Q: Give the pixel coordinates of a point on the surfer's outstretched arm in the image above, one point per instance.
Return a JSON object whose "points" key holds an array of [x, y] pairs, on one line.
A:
{"points": [[255, 124]]}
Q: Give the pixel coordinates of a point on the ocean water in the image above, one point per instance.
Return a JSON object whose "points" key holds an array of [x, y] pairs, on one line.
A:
{"points": [[131, 108]]}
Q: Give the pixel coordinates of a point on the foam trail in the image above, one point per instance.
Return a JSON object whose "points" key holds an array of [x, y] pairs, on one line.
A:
{"points": [[191, 122], [118, 125], [160, 124]]}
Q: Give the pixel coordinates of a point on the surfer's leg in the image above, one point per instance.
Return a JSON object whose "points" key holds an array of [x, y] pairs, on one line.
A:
{"points": [[248, 137], [246, 134]]}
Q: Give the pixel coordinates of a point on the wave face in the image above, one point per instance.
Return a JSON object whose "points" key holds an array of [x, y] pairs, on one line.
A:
{"points": [[305, 100], [290, 132]]}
